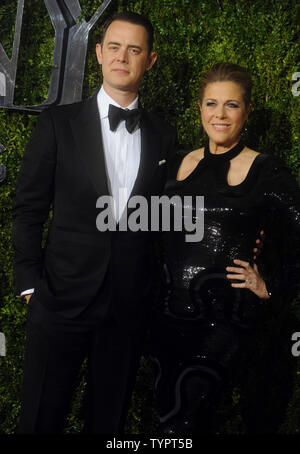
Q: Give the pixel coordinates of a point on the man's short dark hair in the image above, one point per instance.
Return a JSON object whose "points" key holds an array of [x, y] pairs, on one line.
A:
{"points": [[132, 18]]}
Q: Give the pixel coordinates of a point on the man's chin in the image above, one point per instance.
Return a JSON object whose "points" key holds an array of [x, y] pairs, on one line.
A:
{"points": [[124, 87]]}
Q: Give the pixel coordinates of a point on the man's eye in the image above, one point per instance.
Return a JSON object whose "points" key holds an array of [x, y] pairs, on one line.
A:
{"points": [[210, 103], [234, 106], [134, 51]]}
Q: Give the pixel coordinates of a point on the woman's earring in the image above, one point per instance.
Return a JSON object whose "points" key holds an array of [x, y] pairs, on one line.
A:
{"points": [[244, 133]]}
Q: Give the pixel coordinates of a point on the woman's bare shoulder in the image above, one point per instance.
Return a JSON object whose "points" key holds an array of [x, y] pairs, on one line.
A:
{"points": [[248, 152], [196, 155], [189, 162]]}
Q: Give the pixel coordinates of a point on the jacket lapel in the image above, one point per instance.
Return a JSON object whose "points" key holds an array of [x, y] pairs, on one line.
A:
{"points": [[86, 128], [150, 142]]}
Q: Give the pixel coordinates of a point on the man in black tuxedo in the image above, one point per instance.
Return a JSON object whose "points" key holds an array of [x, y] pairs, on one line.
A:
{"points": [[89, 291]]}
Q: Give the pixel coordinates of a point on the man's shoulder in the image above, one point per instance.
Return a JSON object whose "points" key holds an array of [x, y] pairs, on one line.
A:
{"points": [[159, 122], [69, 110]]}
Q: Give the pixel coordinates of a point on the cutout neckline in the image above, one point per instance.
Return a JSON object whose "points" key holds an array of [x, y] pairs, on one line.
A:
{"points": [[219, 161], [227, 155]]}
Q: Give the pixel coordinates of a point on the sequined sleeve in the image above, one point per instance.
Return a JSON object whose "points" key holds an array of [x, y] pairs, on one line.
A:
{"points": [[283, 195]]}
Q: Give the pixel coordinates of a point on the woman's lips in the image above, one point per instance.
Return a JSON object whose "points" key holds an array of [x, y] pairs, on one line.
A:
{"points": [[220, 127]]}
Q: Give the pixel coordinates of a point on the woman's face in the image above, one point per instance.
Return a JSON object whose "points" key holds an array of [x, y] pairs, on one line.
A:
{"points": [[223, 112]]}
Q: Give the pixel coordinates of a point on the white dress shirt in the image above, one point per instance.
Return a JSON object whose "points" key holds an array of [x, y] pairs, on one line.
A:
{"points": [[122, 152]]}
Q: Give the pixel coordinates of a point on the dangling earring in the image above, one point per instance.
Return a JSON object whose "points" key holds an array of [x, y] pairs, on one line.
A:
{"points": [[244, 134]]}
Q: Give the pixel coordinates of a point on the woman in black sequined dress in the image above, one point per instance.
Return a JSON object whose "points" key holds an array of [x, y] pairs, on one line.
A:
{"points": [[213, 292]]}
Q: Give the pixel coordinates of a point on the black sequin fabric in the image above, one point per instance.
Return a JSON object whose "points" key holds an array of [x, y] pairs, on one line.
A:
{"points": [[199, 319]]}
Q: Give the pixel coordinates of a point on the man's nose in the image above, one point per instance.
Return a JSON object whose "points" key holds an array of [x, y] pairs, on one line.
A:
{"points": [[122, 55]]}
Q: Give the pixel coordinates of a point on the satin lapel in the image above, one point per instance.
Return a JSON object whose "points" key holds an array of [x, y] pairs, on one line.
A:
{"points": [[86, 129], [150, 143]]}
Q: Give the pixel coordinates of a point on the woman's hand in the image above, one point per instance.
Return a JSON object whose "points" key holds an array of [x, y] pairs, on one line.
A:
{"points": [[251, 277]]}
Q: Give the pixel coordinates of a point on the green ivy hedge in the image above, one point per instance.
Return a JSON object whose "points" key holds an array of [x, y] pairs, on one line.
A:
{"points": [[191, 35]]}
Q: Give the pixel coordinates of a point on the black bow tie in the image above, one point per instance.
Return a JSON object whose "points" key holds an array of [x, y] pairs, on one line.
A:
{"points": [[116, 114]]}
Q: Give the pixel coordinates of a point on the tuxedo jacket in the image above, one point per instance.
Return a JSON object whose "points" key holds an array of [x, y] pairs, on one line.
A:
{"points": [[63, 172]]}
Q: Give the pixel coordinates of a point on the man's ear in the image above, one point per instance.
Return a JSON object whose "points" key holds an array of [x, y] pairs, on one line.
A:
{"points": [[99, 53], [151, 60]]}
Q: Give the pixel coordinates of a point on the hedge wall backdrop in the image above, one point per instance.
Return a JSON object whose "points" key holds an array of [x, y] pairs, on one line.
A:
{"points": [[263, 394]]}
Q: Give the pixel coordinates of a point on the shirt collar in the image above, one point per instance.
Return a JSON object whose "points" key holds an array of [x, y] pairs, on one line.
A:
{"points": [[104, 100]]}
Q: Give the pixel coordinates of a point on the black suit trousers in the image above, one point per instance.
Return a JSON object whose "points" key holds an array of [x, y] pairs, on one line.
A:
{"points": [[55, 350]]}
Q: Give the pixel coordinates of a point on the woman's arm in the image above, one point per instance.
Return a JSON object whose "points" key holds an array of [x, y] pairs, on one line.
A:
{"points": [[282, 193]]}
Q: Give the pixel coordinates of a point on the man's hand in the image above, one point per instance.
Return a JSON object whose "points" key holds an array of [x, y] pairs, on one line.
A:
{"points": [[260, 243]]}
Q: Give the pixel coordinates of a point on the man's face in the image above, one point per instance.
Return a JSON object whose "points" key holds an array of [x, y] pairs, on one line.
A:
{"points": [[124, 56]]}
